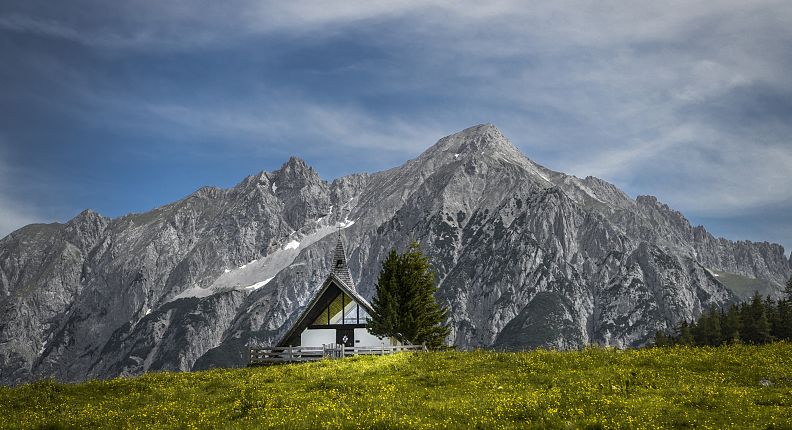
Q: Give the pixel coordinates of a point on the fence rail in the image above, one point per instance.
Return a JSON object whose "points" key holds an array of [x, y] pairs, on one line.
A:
{"points": [[291, 354]]}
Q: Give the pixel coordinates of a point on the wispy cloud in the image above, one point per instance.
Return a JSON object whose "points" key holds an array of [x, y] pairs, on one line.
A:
{"points": [[281, 121], [688, 101]]}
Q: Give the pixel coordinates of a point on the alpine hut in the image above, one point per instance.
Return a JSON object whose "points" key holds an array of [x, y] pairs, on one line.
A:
{"points": [[337, 314]]}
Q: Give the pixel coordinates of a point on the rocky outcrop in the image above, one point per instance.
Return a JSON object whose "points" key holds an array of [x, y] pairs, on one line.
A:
{"points": [[525, 257]]}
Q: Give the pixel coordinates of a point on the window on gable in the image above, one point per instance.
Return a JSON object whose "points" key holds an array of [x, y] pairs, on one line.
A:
{"points": [[351, 313], [363, 316], [341, 310], [336, 308]]}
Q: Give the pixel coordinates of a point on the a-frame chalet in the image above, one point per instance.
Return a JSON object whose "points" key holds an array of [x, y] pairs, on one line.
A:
{"points": [[336, 315]]}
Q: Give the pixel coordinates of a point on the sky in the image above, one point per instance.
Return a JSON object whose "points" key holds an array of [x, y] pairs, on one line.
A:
{"points": [[125, 106]]}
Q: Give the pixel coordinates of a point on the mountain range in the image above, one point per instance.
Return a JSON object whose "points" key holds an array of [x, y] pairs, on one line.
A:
{"points": [[525, 257]]}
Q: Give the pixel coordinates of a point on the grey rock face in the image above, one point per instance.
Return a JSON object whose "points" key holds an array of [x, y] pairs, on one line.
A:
{"points": [[525, 257]]}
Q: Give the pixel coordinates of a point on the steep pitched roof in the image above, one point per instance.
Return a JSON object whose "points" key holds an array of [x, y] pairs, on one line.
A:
{"points": [[340, 267]]}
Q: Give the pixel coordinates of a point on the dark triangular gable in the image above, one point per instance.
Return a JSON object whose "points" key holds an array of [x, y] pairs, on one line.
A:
{"points": [[329, 290]]}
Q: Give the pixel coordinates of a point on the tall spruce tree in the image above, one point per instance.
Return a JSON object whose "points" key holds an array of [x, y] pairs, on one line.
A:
{"points": [[662, 339], [731, 325], [385, 319], [405, 306], [785, 320], [707, 330], [684, 336], [756, 327], [773, 317], [788, 289]]}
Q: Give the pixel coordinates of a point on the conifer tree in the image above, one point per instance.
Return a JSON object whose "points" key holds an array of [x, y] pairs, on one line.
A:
{"points": [[426, 315], [405, 306], [662, 339], [773, 318], [784, 331], [710, 328], [698, 330], [788, 290], [730, 325], [756, 328], [684, 336], [385, 319]]}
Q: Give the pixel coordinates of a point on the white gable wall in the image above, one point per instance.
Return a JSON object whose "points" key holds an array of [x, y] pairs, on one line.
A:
{"points": [[326, 336], [364, 338], [318, 336]]}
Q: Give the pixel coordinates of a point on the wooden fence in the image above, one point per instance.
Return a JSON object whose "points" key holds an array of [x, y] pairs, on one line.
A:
{"points": [[291, 354]]}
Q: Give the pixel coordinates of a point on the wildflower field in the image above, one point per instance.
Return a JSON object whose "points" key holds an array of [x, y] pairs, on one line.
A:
{"points": [[735, 386]]}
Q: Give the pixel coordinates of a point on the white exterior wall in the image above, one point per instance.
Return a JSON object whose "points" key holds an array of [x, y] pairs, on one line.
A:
{"points": [[367, 339], [318, 336], [326, 336]]}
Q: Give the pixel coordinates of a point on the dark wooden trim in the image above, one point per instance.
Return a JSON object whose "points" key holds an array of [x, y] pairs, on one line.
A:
{"points": [[338, 326]]}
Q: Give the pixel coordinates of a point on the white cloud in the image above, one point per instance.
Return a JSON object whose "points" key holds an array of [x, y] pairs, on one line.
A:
{"points": [[280, 121], [741, 180], [614, 89]]}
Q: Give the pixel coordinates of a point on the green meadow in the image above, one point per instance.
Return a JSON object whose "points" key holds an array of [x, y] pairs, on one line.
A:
{"points": [[736, 386]]}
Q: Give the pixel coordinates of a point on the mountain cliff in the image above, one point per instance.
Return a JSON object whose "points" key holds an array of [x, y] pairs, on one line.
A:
{"points": [[525, 257]]}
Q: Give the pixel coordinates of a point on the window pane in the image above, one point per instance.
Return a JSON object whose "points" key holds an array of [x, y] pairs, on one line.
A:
{"points": [[335, 310], [350, 313], [364, 316], [322, 318]]}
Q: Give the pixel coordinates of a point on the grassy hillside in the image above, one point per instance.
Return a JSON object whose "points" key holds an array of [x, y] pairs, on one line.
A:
{"points": [[745, 287], [725, 387]]}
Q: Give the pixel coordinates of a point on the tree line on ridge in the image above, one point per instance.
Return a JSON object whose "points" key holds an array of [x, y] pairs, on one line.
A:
{"points": [[760, 321]]}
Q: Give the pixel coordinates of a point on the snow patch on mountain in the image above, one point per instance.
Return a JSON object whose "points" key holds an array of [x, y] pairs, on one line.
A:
{"points": [[258, 285], [261, 271], [346, 223]]}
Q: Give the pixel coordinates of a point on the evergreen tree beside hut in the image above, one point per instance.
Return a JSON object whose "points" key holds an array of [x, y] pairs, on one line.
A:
{"points": [[405, 306]]}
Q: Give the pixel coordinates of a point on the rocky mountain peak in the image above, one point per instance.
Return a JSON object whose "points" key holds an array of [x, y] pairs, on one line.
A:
{"points": [[471, 145], [295, 165], [86, 216], [472, 140], [646, 200], [207, 192], [85, 229], [295, 173], [651, 202]]}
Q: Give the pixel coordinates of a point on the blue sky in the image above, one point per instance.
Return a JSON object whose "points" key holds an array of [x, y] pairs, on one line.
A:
{"points": [[125, 107]]}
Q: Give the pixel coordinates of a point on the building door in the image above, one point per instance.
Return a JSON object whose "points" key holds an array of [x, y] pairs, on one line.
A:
{"points": [[349, 333]]}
